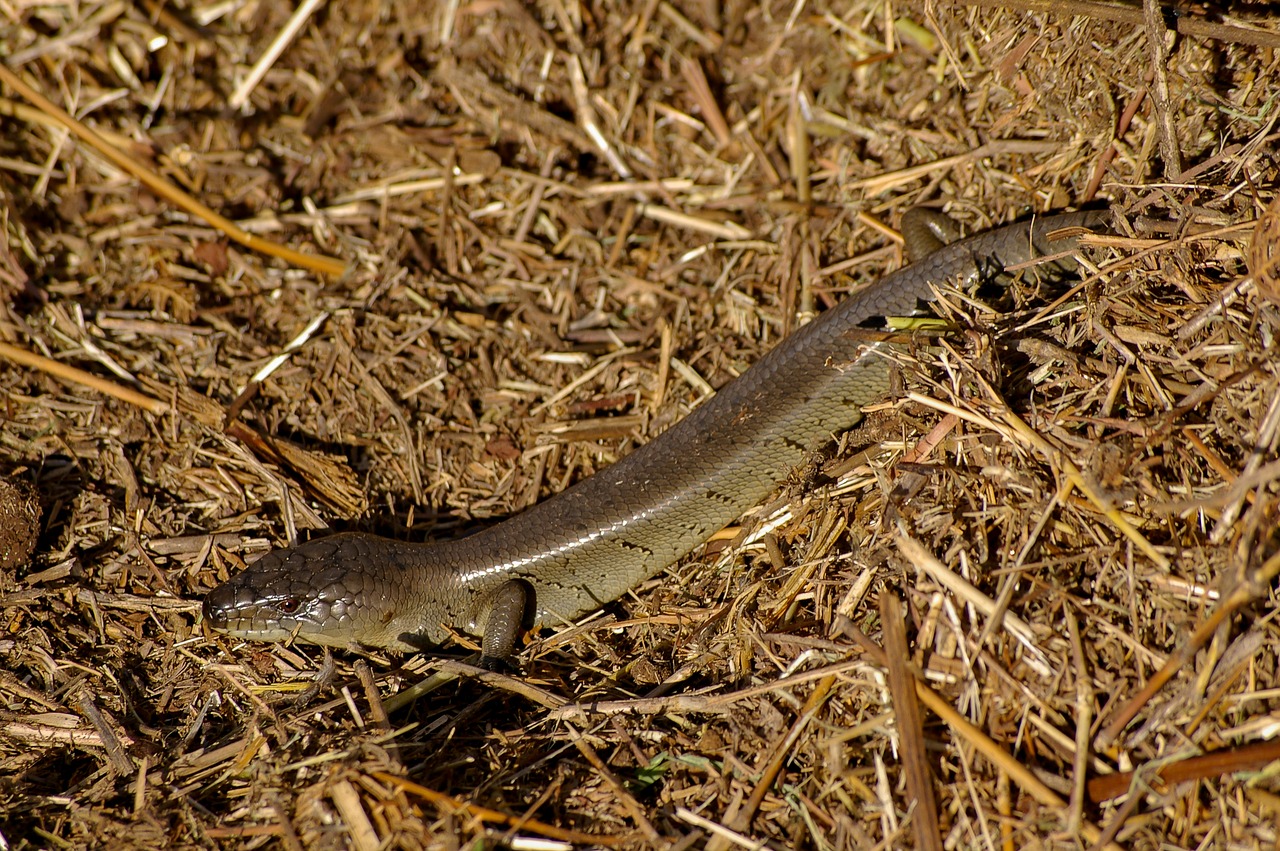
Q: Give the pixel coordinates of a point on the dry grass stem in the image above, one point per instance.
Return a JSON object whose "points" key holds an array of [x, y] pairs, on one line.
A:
{"points": [[906, 713]]}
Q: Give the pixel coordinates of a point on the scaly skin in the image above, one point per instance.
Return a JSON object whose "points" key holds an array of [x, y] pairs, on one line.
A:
{"points": [[592, 542]]}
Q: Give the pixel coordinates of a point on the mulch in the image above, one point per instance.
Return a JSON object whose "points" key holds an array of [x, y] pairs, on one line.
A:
{"points": [[410, 268]]}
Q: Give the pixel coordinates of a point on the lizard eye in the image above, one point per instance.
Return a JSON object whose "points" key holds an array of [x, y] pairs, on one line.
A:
{"points": [[289, 605]]}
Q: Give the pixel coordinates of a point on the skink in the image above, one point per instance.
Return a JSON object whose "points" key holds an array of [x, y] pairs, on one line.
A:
{"points": [[590, 543]]}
